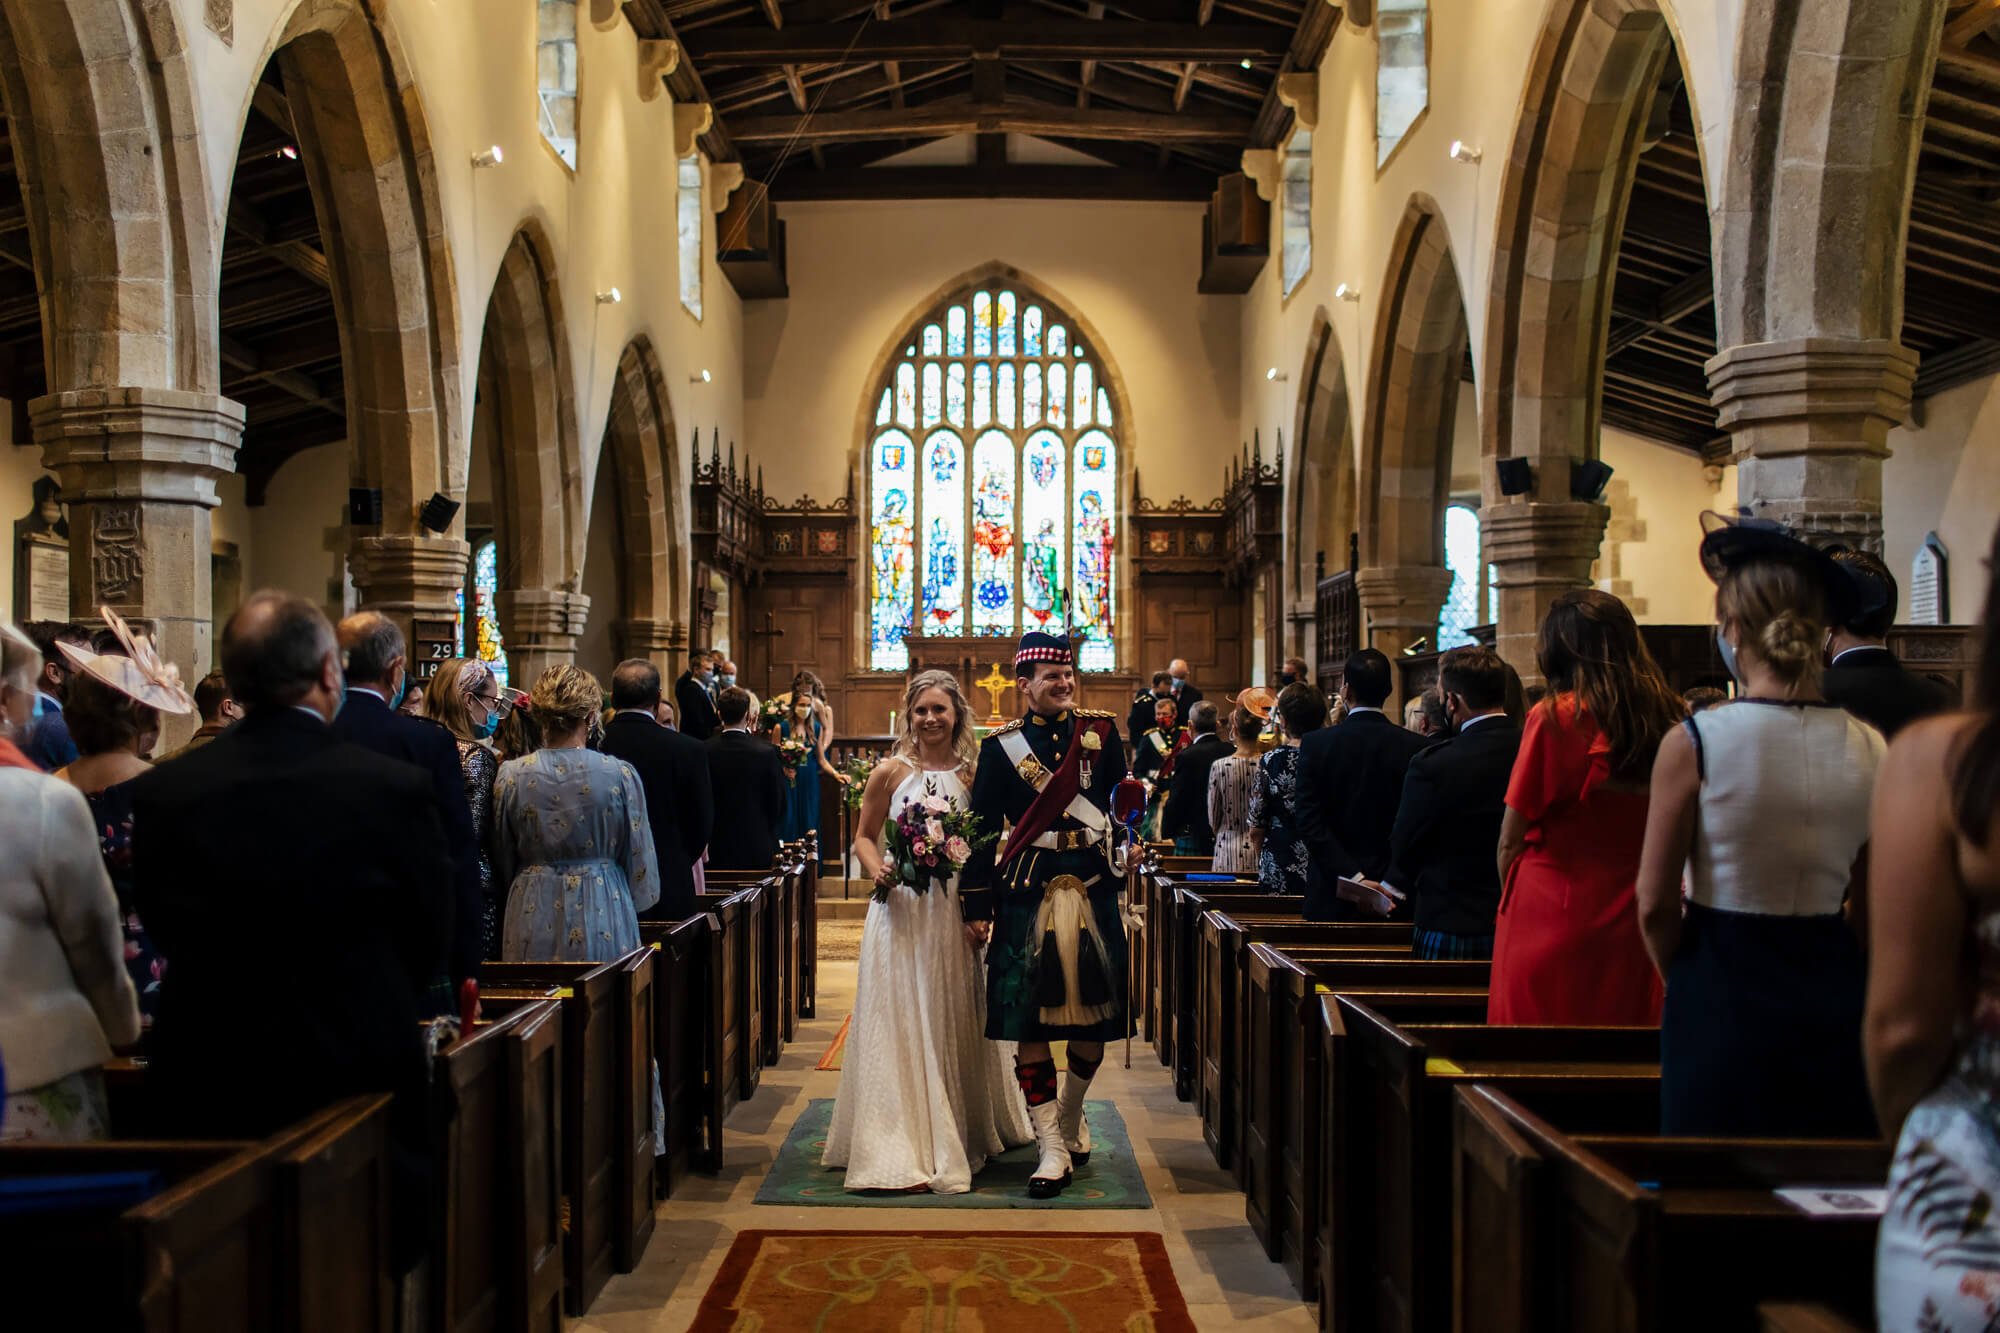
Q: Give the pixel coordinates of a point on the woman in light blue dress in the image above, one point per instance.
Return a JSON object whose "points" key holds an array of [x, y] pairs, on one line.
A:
{"points": [[570, 837]]}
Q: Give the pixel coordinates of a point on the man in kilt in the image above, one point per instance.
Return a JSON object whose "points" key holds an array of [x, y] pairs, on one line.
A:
{"points": [[1048, 897]]}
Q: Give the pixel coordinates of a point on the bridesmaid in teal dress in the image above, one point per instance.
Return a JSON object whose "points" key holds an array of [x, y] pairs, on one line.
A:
{"points": [[806, 718]]}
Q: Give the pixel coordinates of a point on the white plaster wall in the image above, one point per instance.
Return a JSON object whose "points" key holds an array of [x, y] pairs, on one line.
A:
{"points": [[19, 467], [1944, 477], [1668, 489], [861, 272], [596, 647], [298, 537]]}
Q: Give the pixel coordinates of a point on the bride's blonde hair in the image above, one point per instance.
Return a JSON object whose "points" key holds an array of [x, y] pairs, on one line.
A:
{"points": [[963, 743]]}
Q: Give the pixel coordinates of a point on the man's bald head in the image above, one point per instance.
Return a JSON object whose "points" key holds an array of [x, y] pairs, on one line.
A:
{"points": [[276, 650], [371, 647]]}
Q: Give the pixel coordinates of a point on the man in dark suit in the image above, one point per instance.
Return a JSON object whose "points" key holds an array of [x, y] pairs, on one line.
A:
{"points": [[1184, 817], [1185, 695], [1862, 675], [692, 699], [1448, 821], [747, 770], [1350, 782], [303, 940], [377, 677], [1140, 720], [673, 769]]}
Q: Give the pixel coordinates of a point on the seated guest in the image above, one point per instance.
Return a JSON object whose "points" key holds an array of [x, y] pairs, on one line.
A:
{"points": [[1932, 1047], [1350, 780], [217, 708], [115, 702], [1862, 675], [692, 698], [466, 700], [68, 998], [571, 836], [1766, 804], [372, 648], [673, 769], [1282, 857], [1230, 779], [1566, 945], [1141, 719], [301, 942], [1448, 820], [49, 745], [1184, 814], [747, 769]]}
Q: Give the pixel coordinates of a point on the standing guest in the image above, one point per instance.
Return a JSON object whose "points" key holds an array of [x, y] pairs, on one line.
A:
{"points": [[20, 665], [673, 769], [1765, 803], [68, 999], [1701, 698], [571, 837], [1350, 780], [1185, 695], [725, 673], [412, 703], [115, 702], [1294, 671], [518, 735], [377, 681], [1567, 949], [1448, 820], [747, 767], [806, 718], [1142, 717], [466, 700], [1230, 780], [1283, 860], [692, 698], [1184, 815], [1162, 739], [49, 745], [1433, 718], [336, 854], [1862, 675], [218, 711], [1932, 1031]]}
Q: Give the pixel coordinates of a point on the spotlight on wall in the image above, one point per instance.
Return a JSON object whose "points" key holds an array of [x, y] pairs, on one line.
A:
{"points": [[700, 376], [1347, 291], [1419, 648], [1587, 480], [492, 157], [1276, 375], [1515, 475], [612, 296], [290, 152], [1246, 62], [1461, 151], [438, 512]]}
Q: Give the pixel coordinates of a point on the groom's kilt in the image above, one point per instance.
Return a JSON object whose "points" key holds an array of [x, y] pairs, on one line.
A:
{"points": [[1011, 1011]]}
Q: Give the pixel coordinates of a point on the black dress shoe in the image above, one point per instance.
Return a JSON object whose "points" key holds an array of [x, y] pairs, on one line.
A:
{"points": [[1042, 1188], [1079, 1159]]}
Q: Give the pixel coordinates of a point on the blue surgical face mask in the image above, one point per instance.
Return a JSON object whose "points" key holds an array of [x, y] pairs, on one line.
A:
{"points": [[1179, 681], [402, 688], [728, 678], [1728, 651], [486, 726]]}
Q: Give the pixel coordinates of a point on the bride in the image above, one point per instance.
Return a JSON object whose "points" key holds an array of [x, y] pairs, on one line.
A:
{"points": [[925, 1099]]}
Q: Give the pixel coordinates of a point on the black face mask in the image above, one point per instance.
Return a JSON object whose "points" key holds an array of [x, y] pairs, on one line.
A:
{"points": [[1288, 678]]}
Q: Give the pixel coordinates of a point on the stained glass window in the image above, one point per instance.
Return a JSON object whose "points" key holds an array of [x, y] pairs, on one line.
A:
{"points": [[1461, 555], [555, 75], [486, 611], [1015, 525]]}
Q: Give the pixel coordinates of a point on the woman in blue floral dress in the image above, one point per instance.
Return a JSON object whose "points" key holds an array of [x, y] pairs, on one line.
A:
{"points": [[1281, 857]]}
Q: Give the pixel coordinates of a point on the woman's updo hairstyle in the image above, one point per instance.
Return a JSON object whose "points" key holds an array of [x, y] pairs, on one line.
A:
{"points": [[1778, 610], [566, 697]]}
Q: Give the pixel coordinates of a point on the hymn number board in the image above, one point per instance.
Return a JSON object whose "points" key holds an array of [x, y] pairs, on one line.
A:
{"points": [[436, 641]]}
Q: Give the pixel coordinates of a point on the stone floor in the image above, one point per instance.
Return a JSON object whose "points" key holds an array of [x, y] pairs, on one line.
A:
{"points": [[1217, 1261]]}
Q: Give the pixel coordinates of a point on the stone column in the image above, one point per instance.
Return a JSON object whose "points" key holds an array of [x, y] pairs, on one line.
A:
{"points": [[1402, 604], [540, 626], [658, 641], [1539, 550], [138, 468], [407, 577], [1809, 422]]}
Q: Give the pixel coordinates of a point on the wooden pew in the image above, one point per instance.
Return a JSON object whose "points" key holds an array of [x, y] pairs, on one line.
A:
{"points": [[746, 926], [597, 1075], [636, 1180], [730, 954], [1391, 1205], [808, 948], [288, 1233], [1636, 1233], [690, 1080], [1182, 906]]}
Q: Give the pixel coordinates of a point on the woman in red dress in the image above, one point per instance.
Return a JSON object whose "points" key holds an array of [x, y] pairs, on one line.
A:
{"points": [[1567, 948]]}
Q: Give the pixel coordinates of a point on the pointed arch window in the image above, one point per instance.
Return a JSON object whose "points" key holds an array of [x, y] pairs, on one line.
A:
{"points": [[555, 75], [993, 482]]}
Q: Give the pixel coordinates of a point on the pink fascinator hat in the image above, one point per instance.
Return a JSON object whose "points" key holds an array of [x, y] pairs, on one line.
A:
{"points": [[140, 674]]}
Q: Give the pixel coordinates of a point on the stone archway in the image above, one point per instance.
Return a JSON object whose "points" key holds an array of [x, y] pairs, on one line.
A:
{"points": [[648, 508], [365, 145], [1810, 229], [1409, 415], [1562, 209], [1321, 509], [526, 414]]}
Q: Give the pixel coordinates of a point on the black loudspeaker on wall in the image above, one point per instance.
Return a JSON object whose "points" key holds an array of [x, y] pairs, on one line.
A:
{"points": [[1588, 479], [1516, 475], [438, 512]]}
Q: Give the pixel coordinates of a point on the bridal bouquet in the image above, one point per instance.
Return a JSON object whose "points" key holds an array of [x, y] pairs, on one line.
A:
{"points": [[857, 770], [793, 753], [770, 715], [929, 840]]}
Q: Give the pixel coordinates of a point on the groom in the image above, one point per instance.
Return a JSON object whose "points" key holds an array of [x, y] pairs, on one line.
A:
{"points": [[1047, 895]]}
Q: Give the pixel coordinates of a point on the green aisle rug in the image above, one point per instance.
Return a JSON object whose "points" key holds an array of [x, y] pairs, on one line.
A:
{"points": [[1112, 1180]]}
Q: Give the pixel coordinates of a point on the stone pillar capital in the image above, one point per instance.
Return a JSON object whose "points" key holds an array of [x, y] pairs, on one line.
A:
{"points": [[133, 442], [540, 626], [1538, 551], [1403, 596], [410, 574], [641, 637]]}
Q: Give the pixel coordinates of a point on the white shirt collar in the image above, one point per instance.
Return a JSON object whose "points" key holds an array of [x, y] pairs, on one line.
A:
{"points": [[1472, 722], [1360, 708], [50, 699], [312, 713], [1859, 648], [367, 689]]}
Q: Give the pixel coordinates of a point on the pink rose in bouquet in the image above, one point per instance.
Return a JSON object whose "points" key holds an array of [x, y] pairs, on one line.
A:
{"points": [[929, 840]]}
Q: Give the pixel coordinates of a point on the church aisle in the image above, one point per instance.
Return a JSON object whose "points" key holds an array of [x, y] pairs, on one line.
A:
{"points": [[1221, 1269]]}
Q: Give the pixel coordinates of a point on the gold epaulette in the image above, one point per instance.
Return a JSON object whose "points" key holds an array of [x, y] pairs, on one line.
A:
{"points": [[1094, 712]]}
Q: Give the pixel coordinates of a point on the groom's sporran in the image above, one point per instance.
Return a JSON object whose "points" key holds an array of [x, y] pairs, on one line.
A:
{"points": [[1052, 887]]}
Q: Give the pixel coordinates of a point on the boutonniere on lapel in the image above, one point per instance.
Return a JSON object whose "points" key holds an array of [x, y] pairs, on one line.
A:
{"points": [[1092, 743]]}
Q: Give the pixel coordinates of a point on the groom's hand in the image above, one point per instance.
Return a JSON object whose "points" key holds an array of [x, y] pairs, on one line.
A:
{"points": [[978, 932]]}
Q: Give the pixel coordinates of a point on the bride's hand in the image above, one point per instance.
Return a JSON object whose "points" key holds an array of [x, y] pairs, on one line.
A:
{"points": [[978, 932], [885, 875]]}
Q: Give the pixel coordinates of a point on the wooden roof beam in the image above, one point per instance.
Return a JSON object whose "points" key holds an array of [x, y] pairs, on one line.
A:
{"points": [[1012, 181], [962, 116], [938, 39]]}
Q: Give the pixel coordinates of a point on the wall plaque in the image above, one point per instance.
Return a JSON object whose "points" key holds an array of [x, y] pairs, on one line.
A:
{"points": [[436, 639], [41, 557]]}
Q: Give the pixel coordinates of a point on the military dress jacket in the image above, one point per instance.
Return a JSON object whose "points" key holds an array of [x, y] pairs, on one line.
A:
{"points": [[1001, 795]]}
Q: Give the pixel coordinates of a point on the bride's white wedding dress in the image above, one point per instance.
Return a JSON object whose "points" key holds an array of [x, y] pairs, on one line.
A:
{"points": [[925, 1098]]}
